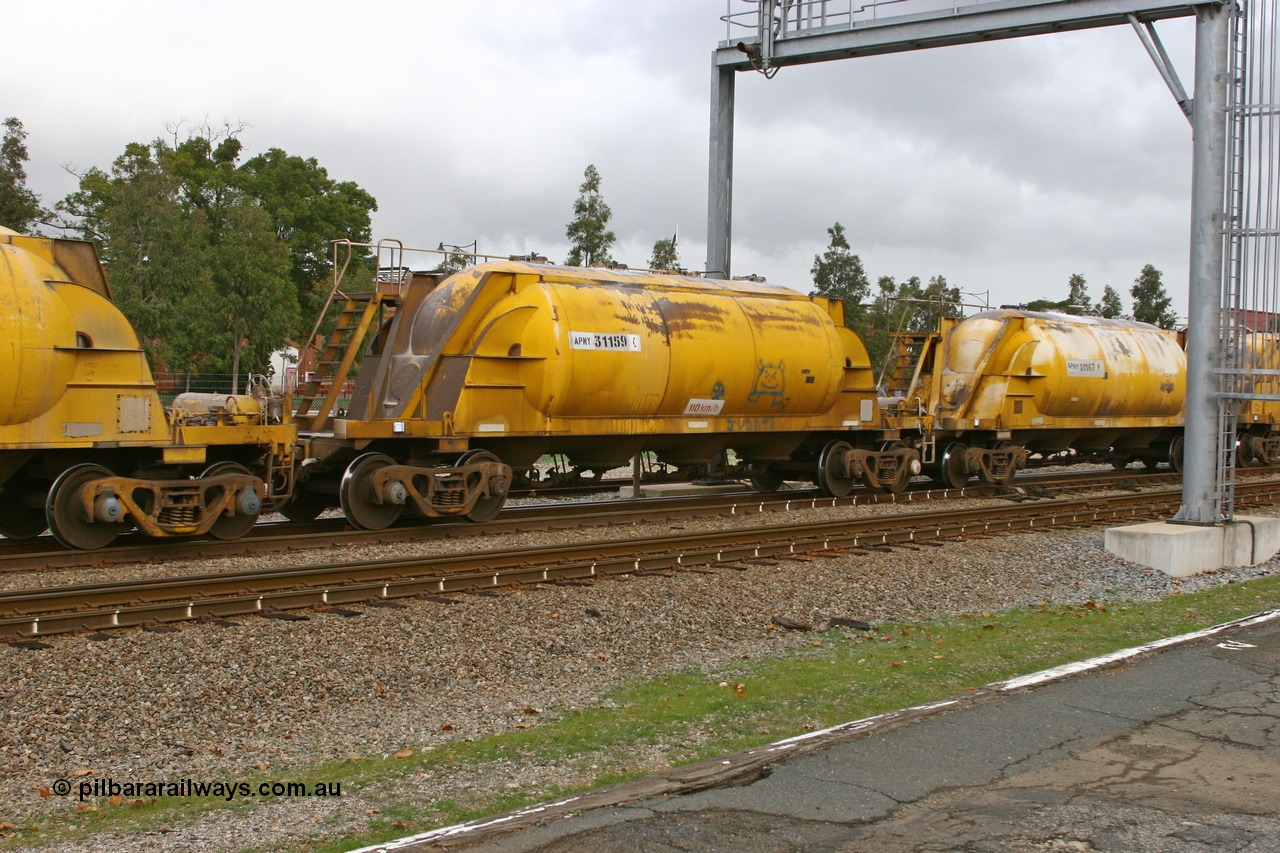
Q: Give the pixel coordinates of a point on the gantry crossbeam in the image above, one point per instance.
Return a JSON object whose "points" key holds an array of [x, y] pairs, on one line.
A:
{"points": [[979, 22]]}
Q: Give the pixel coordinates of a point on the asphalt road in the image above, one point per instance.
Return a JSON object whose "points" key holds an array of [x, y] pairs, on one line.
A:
{"points": [[1177, 750]]}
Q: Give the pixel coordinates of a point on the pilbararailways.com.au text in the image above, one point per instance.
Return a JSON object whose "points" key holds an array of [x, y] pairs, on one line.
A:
{"points": [[228, 791]]}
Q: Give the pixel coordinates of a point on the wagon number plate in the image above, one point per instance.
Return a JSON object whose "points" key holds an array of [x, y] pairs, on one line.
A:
{"points": [[1080, 367], [604, 341]]}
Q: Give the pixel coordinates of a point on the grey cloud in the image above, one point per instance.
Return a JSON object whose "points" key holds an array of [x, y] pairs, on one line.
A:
{"points": [[1008, 165]]}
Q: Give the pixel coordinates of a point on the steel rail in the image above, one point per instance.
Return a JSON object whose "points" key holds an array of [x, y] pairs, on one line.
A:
{"points": [[41, 612], [42, 554]]}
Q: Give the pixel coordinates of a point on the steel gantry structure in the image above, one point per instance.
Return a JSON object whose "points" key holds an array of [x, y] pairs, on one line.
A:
{"points": [[766, 35]]}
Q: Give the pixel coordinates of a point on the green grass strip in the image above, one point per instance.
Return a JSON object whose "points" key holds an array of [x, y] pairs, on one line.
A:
{"points": [[833, 677]]}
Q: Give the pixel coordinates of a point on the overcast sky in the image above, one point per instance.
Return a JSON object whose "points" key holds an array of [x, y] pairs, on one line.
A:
{"points": [[1005, 167]]}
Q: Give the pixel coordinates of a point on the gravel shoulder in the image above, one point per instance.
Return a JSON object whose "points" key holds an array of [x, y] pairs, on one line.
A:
{"points": [[273, 697]]}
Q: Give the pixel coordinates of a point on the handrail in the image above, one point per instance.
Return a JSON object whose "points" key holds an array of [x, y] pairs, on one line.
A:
{"points": [[806, 17]]}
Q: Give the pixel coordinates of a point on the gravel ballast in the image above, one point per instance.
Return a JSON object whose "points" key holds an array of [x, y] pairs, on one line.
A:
{"points": [[266, 697]]}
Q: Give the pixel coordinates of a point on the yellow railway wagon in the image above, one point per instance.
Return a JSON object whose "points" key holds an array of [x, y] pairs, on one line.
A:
{"points": [[1258, 417], [87, 449], [1005, 384], [493, 367]]}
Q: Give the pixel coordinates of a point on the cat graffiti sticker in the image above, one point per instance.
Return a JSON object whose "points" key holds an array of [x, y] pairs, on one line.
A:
{"points": [[771, 384]]}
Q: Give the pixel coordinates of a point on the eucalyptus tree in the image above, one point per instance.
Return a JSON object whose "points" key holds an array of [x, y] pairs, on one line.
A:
{"points": [[838, 274], [20, 208], [1150, 302], [1110, 306], [665, 257], [212, 259], [589, 236]]}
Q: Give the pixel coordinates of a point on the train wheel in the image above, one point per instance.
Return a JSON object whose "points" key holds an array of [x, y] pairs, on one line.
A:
{"points": [[355, 493], [952, 466], [1244, 453], [831, 479], [485, 509], [1175, 454], [766, 480], [64, 510], [19, 520], [247, 505]]}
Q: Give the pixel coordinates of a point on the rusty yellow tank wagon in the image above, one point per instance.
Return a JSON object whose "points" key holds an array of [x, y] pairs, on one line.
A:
{"points": [[87, 449], [1005, 385], [1258, 418], [489, 369]]}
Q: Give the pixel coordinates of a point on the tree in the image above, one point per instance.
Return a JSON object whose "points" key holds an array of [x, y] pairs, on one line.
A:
{"points": [[308, 209], [838, 274], [913, 307], [589, 237], [20, 208], [156, 252], [1063, 307], [884, 318], [253, 296], [665, 256], [907, 307], [1150, 302], [198, 262], [1077, 301], [451, 262], [1110, 306], [1078, 295], [938, 300]]}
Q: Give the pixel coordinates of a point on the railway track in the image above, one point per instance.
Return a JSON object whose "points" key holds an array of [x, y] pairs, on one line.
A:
{"points": [[26, 614], [45, 553]]}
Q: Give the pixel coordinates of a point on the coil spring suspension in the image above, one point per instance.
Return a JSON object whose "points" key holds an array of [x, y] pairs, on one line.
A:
{"points": [[179, 515], [449, 497]]}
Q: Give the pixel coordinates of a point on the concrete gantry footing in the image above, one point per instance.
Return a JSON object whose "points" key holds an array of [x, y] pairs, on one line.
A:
{"points": [[1180, 550]]}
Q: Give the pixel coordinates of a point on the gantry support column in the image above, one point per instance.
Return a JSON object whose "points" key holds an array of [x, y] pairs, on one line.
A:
{"points": [[720, 191], [1208, 184]]}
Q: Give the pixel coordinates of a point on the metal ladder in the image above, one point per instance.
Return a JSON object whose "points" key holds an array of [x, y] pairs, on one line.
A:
{"points": [[354, 319], [902, 368], [1251, 228], [334, 365]]}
